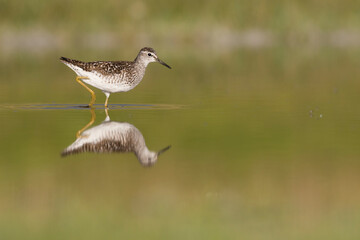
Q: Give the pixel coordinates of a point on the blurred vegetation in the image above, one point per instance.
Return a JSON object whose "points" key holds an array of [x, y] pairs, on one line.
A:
{"points": [[279, 15], [185, 25]]}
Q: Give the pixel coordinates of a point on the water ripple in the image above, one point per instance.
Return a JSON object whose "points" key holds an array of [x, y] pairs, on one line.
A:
{"points": [[96, 106]]}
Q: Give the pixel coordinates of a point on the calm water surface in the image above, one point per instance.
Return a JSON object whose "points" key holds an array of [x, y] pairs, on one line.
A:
{"points": [[263, 146]]}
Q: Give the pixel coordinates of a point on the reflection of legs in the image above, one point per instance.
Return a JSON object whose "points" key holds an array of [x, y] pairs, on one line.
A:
{"points": [[107, 115], [93, 116], [107, 99], [93, 97]]}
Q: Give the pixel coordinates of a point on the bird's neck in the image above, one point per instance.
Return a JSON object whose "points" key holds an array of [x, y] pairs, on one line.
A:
{"points": [[140, 62], [141, 151]]}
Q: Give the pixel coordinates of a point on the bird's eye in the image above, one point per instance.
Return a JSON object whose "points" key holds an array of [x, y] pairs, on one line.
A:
{"points": [[149, 54]]}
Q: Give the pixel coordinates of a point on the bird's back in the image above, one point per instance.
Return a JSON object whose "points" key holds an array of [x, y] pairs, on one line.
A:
{"points": [[102, 67]]}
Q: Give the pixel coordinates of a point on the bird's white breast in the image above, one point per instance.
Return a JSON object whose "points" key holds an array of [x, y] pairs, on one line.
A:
{"points": [[106, 83]]}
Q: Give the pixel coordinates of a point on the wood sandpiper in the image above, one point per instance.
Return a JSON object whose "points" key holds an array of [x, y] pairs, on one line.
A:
{"points": [[112, 76]]}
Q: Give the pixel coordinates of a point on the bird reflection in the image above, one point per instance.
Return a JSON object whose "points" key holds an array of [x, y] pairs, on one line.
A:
{"points": [[112, 137]]}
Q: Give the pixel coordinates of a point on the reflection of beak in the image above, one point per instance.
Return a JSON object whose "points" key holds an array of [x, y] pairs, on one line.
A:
{"points": [[163, 63], [163, 150]]}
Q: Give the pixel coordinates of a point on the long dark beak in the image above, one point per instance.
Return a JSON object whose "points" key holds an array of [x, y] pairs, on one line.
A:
{"points": [[163, 63], [163, 150]]}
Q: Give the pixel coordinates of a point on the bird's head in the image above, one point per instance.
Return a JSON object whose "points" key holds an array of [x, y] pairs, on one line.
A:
{"points": [[148, 158], [148, 55]]}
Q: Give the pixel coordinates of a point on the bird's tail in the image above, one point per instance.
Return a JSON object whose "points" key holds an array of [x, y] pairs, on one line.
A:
{"points": [[71, 61], [75, 65], [64, 59]]}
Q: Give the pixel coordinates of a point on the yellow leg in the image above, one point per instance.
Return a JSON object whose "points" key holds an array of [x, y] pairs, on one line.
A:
{"points": [[107, 113], [106, 101], [107, 94], [93, 97], [93, 116]]}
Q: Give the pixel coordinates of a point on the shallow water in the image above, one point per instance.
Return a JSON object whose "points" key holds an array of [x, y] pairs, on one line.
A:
{"points": [[263, 146]]}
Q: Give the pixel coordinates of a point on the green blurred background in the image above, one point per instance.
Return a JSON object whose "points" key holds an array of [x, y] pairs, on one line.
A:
{"points": [[261, 110]]}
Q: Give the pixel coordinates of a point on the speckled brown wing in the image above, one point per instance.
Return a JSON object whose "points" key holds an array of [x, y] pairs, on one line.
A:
{"points": [[109, 68], [103, 67], [104, 146]]}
